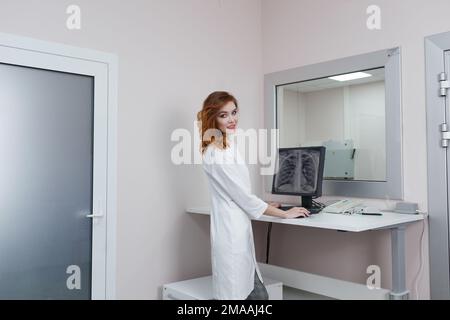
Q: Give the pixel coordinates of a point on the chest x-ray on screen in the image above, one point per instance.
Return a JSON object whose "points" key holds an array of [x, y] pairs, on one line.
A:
{"points": [[298, 171]]}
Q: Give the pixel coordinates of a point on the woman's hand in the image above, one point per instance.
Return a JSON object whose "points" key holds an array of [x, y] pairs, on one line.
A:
{"points": [[275, 204], [296, 212]]}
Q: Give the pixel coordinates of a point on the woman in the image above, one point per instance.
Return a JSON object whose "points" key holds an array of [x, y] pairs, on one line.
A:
{"points": [[235, 272]]}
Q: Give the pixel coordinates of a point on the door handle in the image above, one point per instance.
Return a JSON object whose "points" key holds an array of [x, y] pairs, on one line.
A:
{"points": [[101, 215], [98, 215], [95, 216]]}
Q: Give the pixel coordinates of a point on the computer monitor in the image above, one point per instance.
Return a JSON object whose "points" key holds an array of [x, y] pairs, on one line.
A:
{"points": [[300, 173]]}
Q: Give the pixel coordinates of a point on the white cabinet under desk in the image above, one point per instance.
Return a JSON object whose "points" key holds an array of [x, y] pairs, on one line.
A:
{"points": [[396, 222]]}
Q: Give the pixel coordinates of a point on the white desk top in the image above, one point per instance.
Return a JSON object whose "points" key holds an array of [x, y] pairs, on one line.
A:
{"points": [[353, 223]]}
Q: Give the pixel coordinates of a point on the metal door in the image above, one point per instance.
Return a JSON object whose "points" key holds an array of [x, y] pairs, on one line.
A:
{"points": [[52, 176]]}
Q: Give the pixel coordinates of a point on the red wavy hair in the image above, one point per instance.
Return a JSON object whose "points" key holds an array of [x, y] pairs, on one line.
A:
{"points": [[207, 118]]}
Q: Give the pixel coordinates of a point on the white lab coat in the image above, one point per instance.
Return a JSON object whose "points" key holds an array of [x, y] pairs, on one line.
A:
{"points": [[232, 205]]}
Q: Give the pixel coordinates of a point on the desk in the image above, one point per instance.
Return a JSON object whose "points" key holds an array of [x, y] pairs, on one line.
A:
{"points": [[396, 222]]}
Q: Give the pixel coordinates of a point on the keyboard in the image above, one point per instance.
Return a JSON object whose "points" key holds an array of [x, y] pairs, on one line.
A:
{"points": [[311, 210]]}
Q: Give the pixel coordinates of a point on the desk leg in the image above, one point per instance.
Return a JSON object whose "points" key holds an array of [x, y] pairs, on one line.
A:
{"points": [[399, 291]]}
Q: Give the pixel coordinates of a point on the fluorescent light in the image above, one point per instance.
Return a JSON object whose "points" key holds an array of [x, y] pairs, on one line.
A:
{"points": [[350, 76]]}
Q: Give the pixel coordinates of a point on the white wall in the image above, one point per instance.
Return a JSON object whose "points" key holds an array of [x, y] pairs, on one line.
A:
{"points": [[325, 30], [324, 115], [172, 54], [292, 123], [367, 129]]}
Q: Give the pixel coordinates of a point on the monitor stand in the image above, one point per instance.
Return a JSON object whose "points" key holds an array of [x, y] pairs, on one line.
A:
{"points": [[307, 202]]}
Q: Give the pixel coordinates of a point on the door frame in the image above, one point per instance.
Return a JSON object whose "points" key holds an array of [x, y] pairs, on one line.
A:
{"points": [[103, 67], [438, 207]]}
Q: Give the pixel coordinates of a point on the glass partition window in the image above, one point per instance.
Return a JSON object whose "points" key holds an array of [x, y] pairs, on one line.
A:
{"points": [[344, 113]]}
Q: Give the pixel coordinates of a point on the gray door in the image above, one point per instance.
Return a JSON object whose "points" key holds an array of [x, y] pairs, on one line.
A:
{"points": [[437, 59], [46, 183], [446, 174]]}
